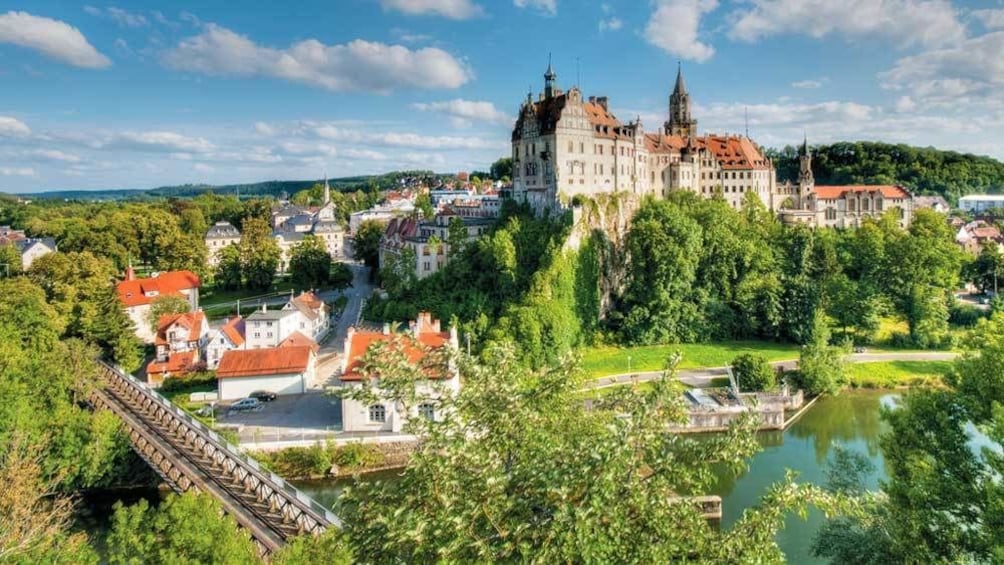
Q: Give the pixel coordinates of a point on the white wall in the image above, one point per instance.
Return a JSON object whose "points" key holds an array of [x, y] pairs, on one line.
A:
{"points": [[239, 387]]}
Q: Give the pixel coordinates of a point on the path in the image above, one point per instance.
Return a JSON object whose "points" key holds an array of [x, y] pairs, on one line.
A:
{"points": [[329, 357], [703, 377]]}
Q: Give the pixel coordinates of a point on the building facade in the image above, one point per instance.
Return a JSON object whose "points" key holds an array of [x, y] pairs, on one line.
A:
{"points": [[291, 223], [427, 241], [138, 294], [218, 237]]}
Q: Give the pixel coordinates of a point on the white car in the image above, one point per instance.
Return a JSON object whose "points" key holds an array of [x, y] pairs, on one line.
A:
{"points": [[245, 405]]}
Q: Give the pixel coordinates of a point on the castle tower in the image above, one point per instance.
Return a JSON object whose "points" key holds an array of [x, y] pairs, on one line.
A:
{"points": [[680, 122], [806, 182], [327, 190], [550, 79]]}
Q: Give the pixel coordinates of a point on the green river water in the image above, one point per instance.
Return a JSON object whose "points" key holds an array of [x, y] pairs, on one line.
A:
{"points": [[850, 419]]}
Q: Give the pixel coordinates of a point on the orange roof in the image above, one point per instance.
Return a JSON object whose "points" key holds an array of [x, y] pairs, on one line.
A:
{"points": [[836, 192], [192, 321], [271, 361], [360, 343], [134, 292], [988, 232], [296, 339], [177, 364], [234, 330]]}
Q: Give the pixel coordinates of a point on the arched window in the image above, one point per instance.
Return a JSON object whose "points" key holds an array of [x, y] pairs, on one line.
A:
{"points": [[378, 413], [427, 411]]}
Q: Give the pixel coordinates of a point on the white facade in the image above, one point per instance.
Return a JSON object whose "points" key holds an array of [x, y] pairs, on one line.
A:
{"points": [[268, 328], [981, 202], [218, 237], [360, 417], [233, 388]]}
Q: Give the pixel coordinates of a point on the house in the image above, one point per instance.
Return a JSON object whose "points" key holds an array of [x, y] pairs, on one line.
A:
{"points": [[386, 416], [974, 236], [180, 342], [30, 248], [981, 202], [315, 320], [305, 313], [290, 223], [137, 295], [936, 203], [282, 370], [219, 237], [427, 240], [228, 337]]}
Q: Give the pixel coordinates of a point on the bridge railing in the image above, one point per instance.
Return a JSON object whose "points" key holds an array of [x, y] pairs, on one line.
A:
{"points": [[232, 451]]}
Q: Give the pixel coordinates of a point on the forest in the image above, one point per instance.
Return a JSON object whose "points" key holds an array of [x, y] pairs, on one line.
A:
{"points": [[923, 170]]}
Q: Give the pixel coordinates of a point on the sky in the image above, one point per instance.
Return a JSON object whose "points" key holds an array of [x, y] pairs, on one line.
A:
{"points": [[140, 94]]}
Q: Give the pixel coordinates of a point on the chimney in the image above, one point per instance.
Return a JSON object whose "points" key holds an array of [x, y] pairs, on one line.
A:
{"points": [[130, 274], [602, 101], [386, 329], [454, 339]]}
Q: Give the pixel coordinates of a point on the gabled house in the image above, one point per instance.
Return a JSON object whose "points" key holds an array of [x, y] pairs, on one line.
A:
{"points": [[137, 295], [314, 317], [180, 341], [282, 370], [387, 416], [228, 337]]}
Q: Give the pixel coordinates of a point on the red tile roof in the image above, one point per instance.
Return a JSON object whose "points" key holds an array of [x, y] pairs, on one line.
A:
{"points": [[360, 343], [836, 192], [134, 292], [234, 330], [192, 321], [177, 364], [298, 339], [256, 362]]}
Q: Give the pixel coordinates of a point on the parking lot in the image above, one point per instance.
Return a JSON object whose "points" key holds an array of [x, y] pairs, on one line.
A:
{"points": [[292, 413]]}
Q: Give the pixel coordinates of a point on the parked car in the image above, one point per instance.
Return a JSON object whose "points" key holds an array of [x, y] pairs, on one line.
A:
{"points": [[245, 405], [262, 395]]}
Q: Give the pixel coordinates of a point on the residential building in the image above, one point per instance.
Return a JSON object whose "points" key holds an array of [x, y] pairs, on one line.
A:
{"points": [[220, 236], [974, 236], [228, 337], [981, 202], [394, 206], [427, 240], [282, 370], [315, 317], [936, 203], [564, 145], [179, 346], [306, 313], [291, 223], [137, 295], [29, 248], [385, 415]]}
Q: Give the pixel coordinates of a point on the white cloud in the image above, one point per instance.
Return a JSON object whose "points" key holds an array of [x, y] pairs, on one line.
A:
{"points": [[991, 19], [202, 168], [13, 127], [467, 111], [674, 28], [261, 128], [53, 38], [357, 65], [546, 7], [54, 155], [905, 104], [453, 9], [927, 22], [969, 71], [17, 171], [160, 141], [400, 139], [808, 83], [118, 15], [611, 24]]}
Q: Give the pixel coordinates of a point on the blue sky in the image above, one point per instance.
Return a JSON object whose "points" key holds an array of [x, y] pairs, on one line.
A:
{"points": [[143, 94]]}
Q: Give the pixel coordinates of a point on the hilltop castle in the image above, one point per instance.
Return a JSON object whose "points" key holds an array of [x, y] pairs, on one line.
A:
{"points": [[564, 145]]}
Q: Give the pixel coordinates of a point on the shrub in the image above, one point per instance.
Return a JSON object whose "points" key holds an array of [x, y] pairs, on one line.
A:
{"points": [[205, 380], [965, 315], [357, 456], [299, 461], [754, 373]]}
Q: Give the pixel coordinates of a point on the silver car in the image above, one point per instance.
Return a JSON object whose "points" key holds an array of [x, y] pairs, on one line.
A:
{"points": [[245, 405]]}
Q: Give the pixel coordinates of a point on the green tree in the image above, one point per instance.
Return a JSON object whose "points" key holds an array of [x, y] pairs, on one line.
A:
{"points": [[166, 305], [260, 254], [341, 276], [229, 271], [513, 469], [423, 205], [310, 263], [821, 365], [10, 261], [986, 271], [329, 547], [754, 373], [366, 244], [502, 168], [185, 528]]}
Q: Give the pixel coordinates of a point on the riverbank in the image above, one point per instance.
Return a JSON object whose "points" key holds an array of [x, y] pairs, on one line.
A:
{"points": [[323, 460]]}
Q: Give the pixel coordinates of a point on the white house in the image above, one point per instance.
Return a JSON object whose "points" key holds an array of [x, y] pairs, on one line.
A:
{"points": [[267, 328], [282, 370], [228, 337], [137, 295], [387, 416], [219, 236], [314, 318], [180, 341]]}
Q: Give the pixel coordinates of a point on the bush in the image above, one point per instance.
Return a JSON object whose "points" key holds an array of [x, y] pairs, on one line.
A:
{"points": [[298, 461], [754, 373], [357, 456], [965, 315], [205, 380]]}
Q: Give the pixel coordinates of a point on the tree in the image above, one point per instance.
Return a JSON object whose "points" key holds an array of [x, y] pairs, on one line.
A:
{"points": [[502, 168], [753, 373], [423, 205], [515, 470], [310, 263], [398, 272], [229, 271], [329, 547], [821, 365], [164, 306], [985, 272], [10, 261], [260, 254], [185, 528], [456, 236], [115, 333], [366, 245], [341, 276]]}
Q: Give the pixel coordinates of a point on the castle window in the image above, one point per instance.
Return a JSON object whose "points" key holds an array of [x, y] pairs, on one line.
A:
{"points": [[831, 213], [865, 205], [571, 147], [582, 147]]}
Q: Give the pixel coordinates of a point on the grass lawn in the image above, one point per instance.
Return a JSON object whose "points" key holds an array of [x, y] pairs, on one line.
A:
{"points": [[211, 295], [890, 374], [604, 361]]}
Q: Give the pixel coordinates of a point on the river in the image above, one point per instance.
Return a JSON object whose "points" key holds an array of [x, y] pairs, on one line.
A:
{"points": [[851, 419]]}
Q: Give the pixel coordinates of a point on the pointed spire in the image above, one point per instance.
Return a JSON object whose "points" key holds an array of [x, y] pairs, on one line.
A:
{"points": [[805, 144], [680, 88], [549, 73], [549, 79], [327, 188]]}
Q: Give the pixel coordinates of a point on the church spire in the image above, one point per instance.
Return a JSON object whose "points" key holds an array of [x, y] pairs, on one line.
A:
{"points": [[327, 189], [681, 87], [680, 122], [549, 79]]}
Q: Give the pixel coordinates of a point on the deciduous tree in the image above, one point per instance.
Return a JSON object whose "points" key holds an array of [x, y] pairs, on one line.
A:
{"points": [[310, 263]]}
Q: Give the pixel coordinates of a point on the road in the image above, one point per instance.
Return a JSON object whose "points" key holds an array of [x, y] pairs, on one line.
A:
{"points": [[329, 357], [703, 377]]}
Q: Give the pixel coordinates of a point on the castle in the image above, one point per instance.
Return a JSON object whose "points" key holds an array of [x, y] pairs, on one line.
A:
{"points": [[564, 145]]}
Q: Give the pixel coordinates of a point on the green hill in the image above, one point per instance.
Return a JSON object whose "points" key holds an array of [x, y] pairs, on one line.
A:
{"points": [[924, 170]]}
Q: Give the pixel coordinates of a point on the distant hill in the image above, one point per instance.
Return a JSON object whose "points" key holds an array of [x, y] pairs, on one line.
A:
{"points": [[924, 170], [265, 188]]}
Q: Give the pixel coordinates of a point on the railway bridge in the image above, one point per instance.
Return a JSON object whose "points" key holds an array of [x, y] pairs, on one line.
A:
{"points": [[188, 455]]}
